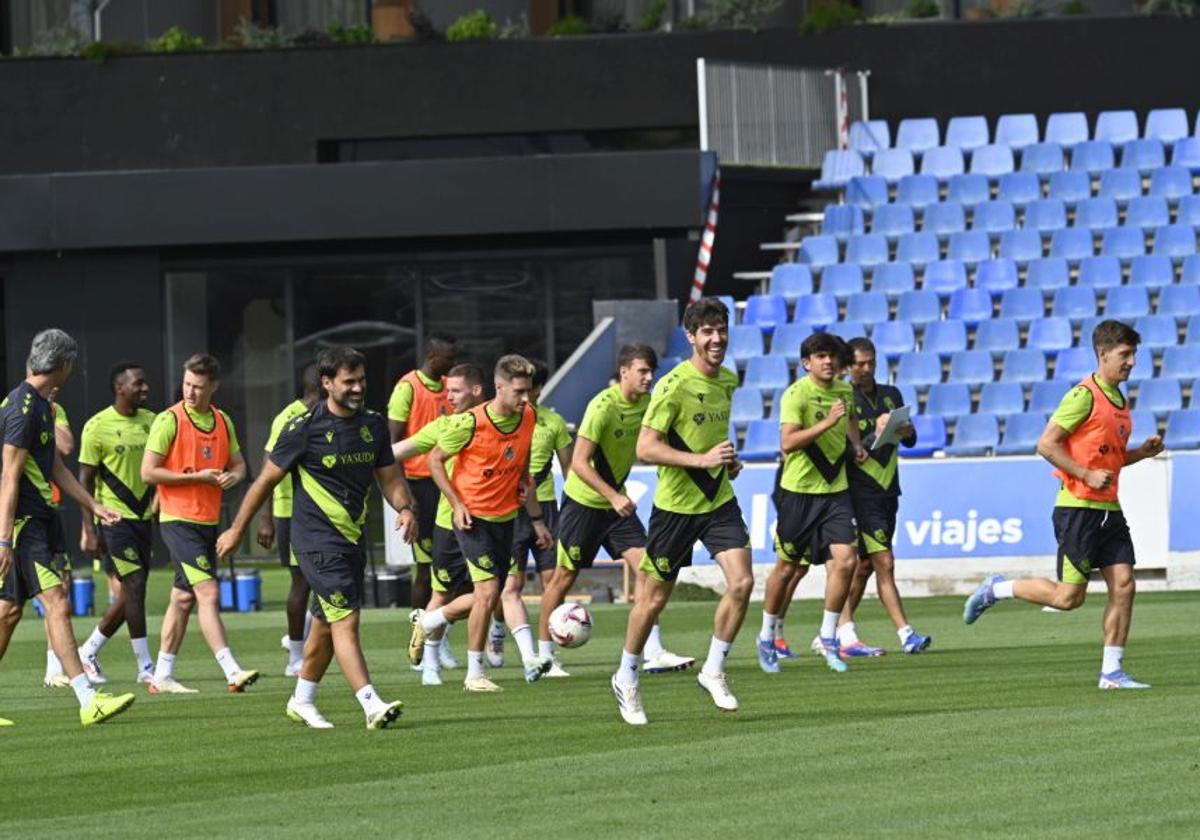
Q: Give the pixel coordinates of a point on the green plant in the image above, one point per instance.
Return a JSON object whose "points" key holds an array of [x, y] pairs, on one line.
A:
{"points": [[101, 51], [175, 39], [57, 41], [568, 26], [475, 26], [350, 35], [830, 17], [1074, 7], [652, 18], [695, 23], [251, 36], [924, 9], [740, 14]]}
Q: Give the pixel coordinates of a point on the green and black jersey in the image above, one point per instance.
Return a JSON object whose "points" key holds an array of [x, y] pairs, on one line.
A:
{"points": [[820, 467], [878, 475], [549, 435], [29, 425], [612, 423], [114, 443]]}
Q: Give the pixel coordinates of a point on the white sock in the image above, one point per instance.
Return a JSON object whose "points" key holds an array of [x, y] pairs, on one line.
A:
{"points": [[1112, 659], [904, 632], [717, 651], [431, 621], [141, 651], [165, 669], [829, 622], [654, 646], [295, 651], [1003, 590], [93, 644], [429, 659], [53, 666], [847, 634], [306, 692], [545, 647], [627, 674], [524, 637], [83, 689], [474, 664], [228, 664], [369, 700], [770, 622]]}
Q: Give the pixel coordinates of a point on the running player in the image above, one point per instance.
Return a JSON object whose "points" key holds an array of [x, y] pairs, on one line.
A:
{"points": [[112, 447], [334, 453], [596, 512], [418, 398], [686, 433], [1086, 440], [813, 501], [275, 524], [193, 457], [30, 462]]}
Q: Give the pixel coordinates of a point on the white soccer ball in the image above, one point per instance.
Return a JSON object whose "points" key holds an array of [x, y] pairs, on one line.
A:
{"points": [[571, 625]]}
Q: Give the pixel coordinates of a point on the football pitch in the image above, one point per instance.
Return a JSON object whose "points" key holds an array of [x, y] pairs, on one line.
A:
{"points": [[997, 730]]}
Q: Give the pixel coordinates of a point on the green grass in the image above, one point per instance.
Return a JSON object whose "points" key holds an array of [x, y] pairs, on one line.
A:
{"points": [[998, 730]]}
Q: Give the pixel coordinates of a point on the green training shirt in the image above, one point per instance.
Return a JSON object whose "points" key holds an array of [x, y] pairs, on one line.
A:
{"points": [[453, 438], [114, 444], [1076, 407], [281, 497], [691, 411], [612, 423], [820, 467], [549, 435], [162, 436], [400, 403]]}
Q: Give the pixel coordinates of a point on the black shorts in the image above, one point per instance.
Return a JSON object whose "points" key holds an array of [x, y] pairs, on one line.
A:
{"points": [[809, 519], [426, 496], [125, 548], [193, 550], [336, 581], [582, 530], [672, 535], [487, 548], [449, 569], [283, 541], [1090, 539], [525, 540], [33, 568], [876, 517], [58, 544]]}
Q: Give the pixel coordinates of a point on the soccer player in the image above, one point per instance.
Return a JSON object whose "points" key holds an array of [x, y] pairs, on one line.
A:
{"points": [[419, 398], [112, 446], [334, 453], [30, 462], [492, 443], [685, 431], [275, 524], [817, 435], [192, 456], [1086, 440], [596, 512]]}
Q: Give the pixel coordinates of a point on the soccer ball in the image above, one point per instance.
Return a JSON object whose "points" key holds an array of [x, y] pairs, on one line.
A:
{"points": [[571, 625]]}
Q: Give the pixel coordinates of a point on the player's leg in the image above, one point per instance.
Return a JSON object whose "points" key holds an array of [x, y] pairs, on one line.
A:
{"points": [[134, 588], [782, 648], [724, 535], [106, 628], [839, 572], [487, 549], [517, 619], [790, 567], [450, 601], [642, 618], [10, 616], [487, 595], [656, 658], [1115, 559], [208, 610]]}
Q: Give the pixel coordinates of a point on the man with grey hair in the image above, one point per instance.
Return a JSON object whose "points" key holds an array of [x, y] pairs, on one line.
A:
{"points": [[27, 508]]}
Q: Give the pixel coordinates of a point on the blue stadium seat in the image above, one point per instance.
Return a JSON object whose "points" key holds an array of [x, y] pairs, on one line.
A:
{"points": [[819, 310], [992, 161], [969, 190], [1123, 243], [918, 135], [1050, 335], [767, 373], [942, 162], [1074, 303], [1092, 157], [1043, 159], [945, 276], [668, 363], [1046, 215], [838, 167], [1096, 213], [918, 308], [1179, 302], [1022, 304], [1024, 366], [918, 190], [1182, 363], [867, 307], [894, 338], [870, 136], [1071, 187], [1171, 182], [730, 304], [867, 249], [1166, 124], [917, 249], [776, 405], [1019, 187], [971, 306], [1127, 303], [1067, 129], [677, 345], [998, 336], [1160, 396], [892, 164], [1002, 398], [1193, 330], [1187, 212], [944, 218], [842, 280], [1021, 434], [968, 133], [909, 394], [747, 405], [842, 220], [1072, 366], [745, 342], [818, 251], [787, 340], [893, 279], [994, 217], [1152, 270], [892, 220], [761, 442], [1147, 212], [1117, 127], [994, 276], [791, 280], [1048, 274], [766, 311], [1143, 155], [1187, 154], [1183, 429], [1045, 396], [1143, 366], [1120, 185], [1157, 331], [1072, 244], [1190, 273], [1175, 241], [975, 434], [948, 399], [847, 330], [1021, 246], [1087, 328], [1144, 425], [971, 367], [919, 370], [1099, 272], [1016, 130], [931, 436], [867, 192], [944, 338]]}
